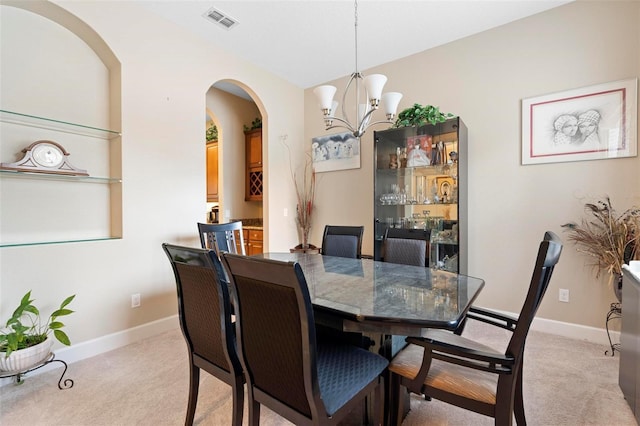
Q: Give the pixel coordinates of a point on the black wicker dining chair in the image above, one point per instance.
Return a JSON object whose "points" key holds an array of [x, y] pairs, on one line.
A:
{"points": [[221, 237], [466, 373], [342, 241], [406, 246], [286, 369], [205, 319]]}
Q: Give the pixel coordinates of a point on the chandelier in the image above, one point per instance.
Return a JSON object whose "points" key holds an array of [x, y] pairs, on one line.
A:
{"points": [[373, 85]]}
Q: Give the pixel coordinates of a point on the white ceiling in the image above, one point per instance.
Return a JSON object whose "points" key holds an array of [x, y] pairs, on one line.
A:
{"points": [[308, 42]]}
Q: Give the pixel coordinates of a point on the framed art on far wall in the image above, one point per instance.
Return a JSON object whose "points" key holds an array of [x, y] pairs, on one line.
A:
{"points": [[590, 123], [335, 152]]}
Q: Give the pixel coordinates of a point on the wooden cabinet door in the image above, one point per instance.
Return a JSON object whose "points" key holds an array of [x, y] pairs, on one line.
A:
{"points": [[255, 242], [212, 171], [253, 140], [253, 172]]}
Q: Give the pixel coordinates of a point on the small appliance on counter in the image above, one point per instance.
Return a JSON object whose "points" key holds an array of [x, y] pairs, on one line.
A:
{"points": [[214, 214]]}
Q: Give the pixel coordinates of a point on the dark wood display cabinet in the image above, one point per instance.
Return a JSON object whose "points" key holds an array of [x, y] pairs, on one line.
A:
{"points": [[420, 182]]}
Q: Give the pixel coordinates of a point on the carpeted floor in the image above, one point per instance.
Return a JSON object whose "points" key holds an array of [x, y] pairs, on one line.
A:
{"points": [[567, 382]]}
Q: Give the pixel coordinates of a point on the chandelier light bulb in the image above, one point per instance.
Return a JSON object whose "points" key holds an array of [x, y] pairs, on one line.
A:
{"points": [[374, 84], [325, 96], [390, 101]]}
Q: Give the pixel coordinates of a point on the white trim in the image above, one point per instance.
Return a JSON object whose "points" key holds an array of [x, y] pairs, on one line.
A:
{"points": [[104, 344], [575, 331], [570, 330]]}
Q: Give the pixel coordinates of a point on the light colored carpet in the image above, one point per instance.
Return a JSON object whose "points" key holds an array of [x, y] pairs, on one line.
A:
{"points": [[566, 382]]}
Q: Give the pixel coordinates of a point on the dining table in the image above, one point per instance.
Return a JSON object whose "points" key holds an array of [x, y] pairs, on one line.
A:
{"points": [[365, 295]]}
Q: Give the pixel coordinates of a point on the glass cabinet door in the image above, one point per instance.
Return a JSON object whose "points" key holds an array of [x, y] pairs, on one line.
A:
{"points": [[418, 184]]}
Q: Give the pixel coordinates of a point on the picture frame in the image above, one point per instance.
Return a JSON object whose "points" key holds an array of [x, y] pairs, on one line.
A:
{"points": [[340, 151], [590, 123], [419, 150], [445, 186]]}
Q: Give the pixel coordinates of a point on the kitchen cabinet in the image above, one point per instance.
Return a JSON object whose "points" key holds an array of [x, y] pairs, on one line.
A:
{"points": [[254, 243], [212, 171], [253, 175], [420, 182], [52, 208]]}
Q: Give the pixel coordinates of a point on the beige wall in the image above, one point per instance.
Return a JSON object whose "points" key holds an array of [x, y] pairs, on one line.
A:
{"points": [[483, 79], [166, 74]]}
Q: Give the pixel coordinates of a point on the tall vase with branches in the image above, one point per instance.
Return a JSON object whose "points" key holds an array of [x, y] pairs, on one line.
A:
{"points": [[305, 193]]}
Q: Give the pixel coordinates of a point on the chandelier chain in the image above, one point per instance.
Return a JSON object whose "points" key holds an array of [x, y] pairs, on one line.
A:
{"points": [[356, 30]]}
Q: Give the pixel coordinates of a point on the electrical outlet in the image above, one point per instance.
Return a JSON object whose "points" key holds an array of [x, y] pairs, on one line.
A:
{"points": [[563, 295], [135, 300], [286, 212]]}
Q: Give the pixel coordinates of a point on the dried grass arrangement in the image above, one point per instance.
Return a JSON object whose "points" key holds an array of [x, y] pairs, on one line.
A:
{"points": [[305, 193], [608, 238]]}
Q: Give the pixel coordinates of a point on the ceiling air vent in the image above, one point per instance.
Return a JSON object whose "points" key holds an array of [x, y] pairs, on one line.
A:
{"points": [[220, 18]]}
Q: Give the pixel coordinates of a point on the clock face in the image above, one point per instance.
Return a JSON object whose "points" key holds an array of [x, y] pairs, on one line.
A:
{"points": [[47, 155]]}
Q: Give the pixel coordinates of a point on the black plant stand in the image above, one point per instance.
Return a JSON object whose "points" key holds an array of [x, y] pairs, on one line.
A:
{"points": [[615, 312], [66, 384]]}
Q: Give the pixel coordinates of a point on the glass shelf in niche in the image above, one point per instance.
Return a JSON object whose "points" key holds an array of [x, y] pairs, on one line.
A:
{"points": [[60, 177], [40, 243], [58, 125]]}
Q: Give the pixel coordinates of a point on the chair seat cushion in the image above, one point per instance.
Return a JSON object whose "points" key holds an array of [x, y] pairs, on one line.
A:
{"points": [[343, 371], [405, 251], [341, 246], [450, 378]]}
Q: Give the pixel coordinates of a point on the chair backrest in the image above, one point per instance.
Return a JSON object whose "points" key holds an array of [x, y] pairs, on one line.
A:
{"points": [[222, 237], [546, 260], [342, 241], [275, 331], [204, 307], [406, 246]]}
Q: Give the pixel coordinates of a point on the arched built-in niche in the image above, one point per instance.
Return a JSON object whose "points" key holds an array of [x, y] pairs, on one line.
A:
{"points": [[60, 81]]}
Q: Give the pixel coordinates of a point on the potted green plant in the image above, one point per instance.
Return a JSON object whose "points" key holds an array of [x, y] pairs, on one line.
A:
{"points": [[255, 124], [25, 341], [417, 115], [608, 238], [212, 133]]}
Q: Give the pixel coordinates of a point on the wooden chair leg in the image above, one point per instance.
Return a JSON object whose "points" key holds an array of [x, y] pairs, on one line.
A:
{"points": [[379, 403], [518, 407], [194, 383], [254, 412], [238, 402], [393, 399]]}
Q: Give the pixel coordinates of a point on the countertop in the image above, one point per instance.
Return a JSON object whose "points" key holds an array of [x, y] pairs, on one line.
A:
{"points": [[251, 223]]}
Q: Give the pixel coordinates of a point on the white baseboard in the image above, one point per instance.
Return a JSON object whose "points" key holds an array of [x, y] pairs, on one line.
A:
{"points": [[117, 340], [575, 331], [104, 344]]}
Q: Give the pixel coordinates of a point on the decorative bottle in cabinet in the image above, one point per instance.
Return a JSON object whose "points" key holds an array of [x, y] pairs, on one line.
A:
{"points": [[420, 182]]}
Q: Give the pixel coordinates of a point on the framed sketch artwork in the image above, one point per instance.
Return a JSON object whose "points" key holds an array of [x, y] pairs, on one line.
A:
{"points": [[590, 123], [335, 152]]}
